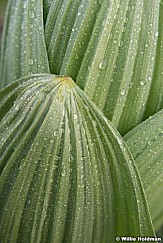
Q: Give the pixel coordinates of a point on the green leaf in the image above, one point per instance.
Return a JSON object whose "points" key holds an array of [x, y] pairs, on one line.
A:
{"points": [[47, 4], [145, 143], [155, 99], [68, 28], [118, 64], [23, 49], [66, 174]]}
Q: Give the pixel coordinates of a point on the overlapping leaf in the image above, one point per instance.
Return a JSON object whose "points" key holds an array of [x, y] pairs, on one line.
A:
{"points": [[23, 50], [68, 28], [65, 173], [119, 61], [155, 99], [146, 144], [47, 4]]}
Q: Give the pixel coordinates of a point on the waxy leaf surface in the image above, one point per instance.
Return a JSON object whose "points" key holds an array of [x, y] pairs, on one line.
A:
{"points": [[119, 61], [23, 49], [66, 174], [146, 145]]}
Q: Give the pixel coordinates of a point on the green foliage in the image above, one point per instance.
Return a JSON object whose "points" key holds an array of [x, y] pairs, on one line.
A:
{"points": [[145, 143], [66, 174], [70, 172], [23, 50]]}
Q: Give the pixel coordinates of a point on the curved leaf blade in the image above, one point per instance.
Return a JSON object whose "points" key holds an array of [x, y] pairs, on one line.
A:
{"points": [[155, 99], [118, 64], [70, 23], [65, 172], [145, 143], [23, 49]]}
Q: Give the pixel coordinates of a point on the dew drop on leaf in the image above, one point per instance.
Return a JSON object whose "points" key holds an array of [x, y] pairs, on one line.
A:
{"points": [[55, 133], [156, 34], [142, 82], [76, 56], [63, 173], [75, 116], [103, 64], [40, 27], [31, 14], [123, 92], [119, 140], [30, 61]]}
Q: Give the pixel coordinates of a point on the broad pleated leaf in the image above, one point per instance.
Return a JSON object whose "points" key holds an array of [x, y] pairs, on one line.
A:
{"points": [[155, 99], [146, 144], [23, 50], [46, 6], [118, 64], [68, 28], [65, 173]]}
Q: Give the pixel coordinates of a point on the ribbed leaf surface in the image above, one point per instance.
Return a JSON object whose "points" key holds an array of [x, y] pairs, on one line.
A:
{"points": [[65, 173], [68, 28], [23, 50], [155, 99], [47, 4], [119, 61], [145, 142]]}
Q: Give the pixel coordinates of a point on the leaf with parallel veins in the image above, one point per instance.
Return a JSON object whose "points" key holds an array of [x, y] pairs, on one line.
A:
{"points": [[145, 143], [118, 65], [23, 49], [65, 172]]}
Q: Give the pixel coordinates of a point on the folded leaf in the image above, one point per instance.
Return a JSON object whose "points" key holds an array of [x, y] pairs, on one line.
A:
{"points": [[23, 50], [145, 143], [155, 99], [118, 64], [65, 173], [47, 4], [68, 28]]}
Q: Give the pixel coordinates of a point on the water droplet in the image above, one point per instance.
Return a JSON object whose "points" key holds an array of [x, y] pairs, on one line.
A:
{"points": [[142, 82], [63, 173], [123, 92], [119, 140], [156, 34], [55, 133], [40, 27], [75, 116], [31, 14], [30, 61], [76, 56], [103, 64], [150, 142]]}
